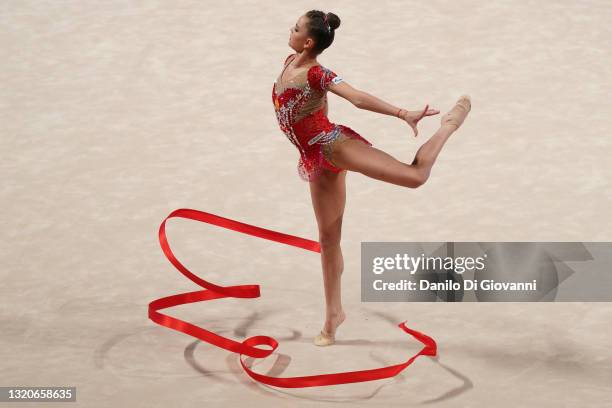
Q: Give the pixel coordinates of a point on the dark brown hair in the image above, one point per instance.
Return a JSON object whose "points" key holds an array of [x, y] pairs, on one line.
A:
{"points": [[321, 27]]}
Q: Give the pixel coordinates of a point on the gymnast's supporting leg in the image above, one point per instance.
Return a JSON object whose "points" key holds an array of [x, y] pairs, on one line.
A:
{"points": [[328, 195], [356, 156]]}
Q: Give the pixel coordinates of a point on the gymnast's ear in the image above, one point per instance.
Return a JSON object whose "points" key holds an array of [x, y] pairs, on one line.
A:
{"points": [[346, 91]]}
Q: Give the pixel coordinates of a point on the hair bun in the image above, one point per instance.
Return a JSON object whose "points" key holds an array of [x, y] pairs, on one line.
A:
{"points": [[333, 21]]}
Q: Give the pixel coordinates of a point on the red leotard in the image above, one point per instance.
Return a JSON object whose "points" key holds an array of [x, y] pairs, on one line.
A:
{"points": [[300, 110]]}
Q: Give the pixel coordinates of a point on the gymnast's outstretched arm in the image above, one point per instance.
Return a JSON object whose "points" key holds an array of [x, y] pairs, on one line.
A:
{"points": [[364, 100]]}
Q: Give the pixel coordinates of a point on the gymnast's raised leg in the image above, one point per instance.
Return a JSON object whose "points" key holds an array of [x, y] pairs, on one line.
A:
{"points": [[356, 156]]}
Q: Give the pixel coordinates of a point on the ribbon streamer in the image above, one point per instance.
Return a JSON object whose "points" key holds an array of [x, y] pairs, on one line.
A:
{"points": [[248, 346]]}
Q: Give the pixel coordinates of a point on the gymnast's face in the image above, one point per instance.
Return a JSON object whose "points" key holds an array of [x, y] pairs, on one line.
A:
{"points": [[299, 39]]}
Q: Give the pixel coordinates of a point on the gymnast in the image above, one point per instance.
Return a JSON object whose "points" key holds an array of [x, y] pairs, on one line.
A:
{"points": [[327, 150]]}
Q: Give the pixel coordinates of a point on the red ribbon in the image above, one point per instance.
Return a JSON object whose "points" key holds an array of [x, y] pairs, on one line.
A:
{"points": [[247, 347]]}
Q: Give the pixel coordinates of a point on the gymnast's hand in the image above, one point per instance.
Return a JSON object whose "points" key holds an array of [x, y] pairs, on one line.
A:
{"points": [[413, 117]]}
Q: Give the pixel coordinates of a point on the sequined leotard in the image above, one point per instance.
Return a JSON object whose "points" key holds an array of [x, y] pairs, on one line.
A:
{"points": [[301, 113]]}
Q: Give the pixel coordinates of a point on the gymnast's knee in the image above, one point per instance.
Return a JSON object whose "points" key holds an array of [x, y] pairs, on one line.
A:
{"points": [[329, 239], [417, 178]]}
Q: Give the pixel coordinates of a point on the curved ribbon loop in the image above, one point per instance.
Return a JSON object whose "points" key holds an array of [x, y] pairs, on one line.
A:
{"points": [[248, 346]]}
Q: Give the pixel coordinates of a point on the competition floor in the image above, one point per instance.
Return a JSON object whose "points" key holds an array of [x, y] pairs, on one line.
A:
{"points": [[115, 114]]}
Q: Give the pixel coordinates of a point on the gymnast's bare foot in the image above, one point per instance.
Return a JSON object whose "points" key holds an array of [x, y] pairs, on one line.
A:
{"points": [[327, 336], [455, 117]]}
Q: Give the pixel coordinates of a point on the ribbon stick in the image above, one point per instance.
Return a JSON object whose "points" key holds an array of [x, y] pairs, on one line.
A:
{"points": [[248, 346]]}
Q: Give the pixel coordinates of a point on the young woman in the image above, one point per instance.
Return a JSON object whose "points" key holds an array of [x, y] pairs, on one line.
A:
{"points": [[327, 150]]}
